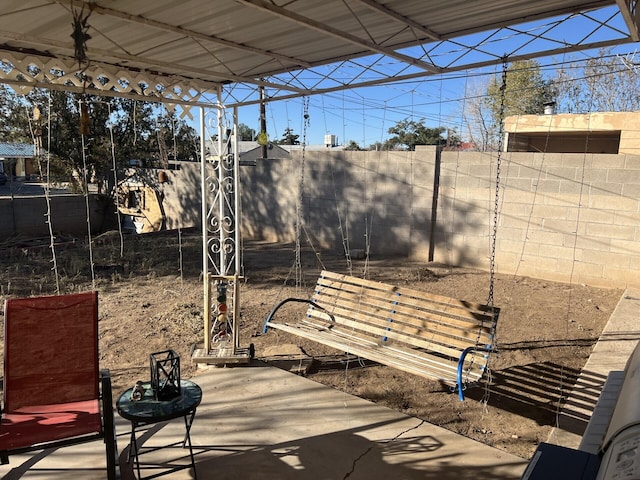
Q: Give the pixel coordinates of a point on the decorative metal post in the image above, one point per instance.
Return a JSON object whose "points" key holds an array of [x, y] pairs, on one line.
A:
{"points": [[221, 261]]}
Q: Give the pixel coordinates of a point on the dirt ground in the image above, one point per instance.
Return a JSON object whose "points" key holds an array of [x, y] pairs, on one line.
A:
{"points": [[151, 300]]}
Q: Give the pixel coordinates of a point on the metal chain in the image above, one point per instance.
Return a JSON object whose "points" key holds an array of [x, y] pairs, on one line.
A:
{"points": [[492, 255], [299, 276], [496, 206]]}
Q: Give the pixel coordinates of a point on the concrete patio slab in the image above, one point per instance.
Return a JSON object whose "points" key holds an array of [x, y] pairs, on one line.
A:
{"points": [[259, 422]]}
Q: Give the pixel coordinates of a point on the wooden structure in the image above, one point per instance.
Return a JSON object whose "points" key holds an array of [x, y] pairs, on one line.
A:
{"points": [[141, 206], [428, 335], [54, 393]]}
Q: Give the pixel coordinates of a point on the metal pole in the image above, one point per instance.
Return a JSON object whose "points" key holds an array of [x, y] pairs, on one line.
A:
{"points": [[236, 188], [263, 119], [236, 219], [205, 239], [434, 203], [221, 194]]}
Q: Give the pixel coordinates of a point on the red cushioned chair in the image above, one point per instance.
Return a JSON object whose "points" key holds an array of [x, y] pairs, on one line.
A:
{"points": [[54, 393]]}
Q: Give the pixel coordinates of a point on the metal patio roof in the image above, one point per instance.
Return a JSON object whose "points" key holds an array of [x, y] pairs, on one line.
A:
{"points": [[184, 51]]}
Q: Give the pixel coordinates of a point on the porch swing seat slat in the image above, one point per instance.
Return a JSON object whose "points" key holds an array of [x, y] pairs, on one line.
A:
{"points": [[429, 335]]}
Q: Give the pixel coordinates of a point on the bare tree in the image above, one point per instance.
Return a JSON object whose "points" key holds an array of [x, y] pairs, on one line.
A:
{"points": [[477, 116], [605, 83], [524, 92]]}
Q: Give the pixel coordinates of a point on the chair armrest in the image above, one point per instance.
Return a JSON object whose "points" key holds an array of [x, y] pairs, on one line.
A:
{"points": [[461, 365], [298, 300]]}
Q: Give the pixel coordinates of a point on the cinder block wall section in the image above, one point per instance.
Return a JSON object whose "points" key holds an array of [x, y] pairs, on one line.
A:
{"points": [[269, 192], [564, 217], [350, 201], [181, 196], [465, 209], [27, 216]]}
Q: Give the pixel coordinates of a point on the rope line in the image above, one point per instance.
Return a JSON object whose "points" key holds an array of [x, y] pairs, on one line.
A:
{"points": [[115, 181], [561, 386], [85, 185], [341, 228], [37, 142], [300, 203]]}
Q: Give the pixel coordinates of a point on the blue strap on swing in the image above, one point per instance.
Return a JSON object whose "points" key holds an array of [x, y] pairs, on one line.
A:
{"points": [[390, 319]]}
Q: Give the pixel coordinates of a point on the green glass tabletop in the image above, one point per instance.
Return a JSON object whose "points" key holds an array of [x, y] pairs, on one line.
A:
{"points": [[150, 410]]}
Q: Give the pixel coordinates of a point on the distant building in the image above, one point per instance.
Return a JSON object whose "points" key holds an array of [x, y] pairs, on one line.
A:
{"points": [[313, 148], [598, 132], [18, 159], [461, 147]]}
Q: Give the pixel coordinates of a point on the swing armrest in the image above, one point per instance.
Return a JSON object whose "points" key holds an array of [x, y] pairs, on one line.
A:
{"points": [[298, 300], [463, 355]]}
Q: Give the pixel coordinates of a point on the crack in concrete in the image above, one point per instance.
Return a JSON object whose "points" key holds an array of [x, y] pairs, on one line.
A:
{"points": [[366, 452]]}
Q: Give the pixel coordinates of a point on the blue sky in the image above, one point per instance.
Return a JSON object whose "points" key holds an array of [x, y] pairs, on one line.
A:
{"points": [[365, 115]]}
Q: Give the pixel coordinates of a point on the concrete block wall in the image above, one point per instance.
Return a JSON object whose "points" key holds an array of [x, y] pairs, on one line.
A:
{"points": [[181, 195], [351, 200], [269, 198], [26, 216], [564, 217], [465, 209]]}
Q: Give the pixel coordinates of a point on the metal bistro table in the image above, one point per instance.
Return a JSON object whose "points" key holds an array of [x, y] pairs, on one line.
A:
{"points": [[148, 410]]}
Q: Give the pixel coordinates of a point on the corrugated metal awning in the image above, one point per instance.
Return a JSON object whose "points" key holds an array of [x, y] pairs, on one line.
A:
{"points": [[180, 51]]}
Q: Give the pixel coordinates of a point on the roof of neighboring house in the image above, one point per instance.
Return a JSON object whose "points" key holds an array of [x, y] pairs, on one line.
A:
{"points": [[245, 147], [309, 148], [16, 150]]}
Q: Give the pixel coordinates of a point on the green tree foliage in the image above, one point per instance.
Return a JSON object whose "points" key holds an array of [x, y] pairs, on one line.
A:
{"points": [[526, 91], [12, 130], [453, 140], [141, 130], [245, 133], [175, 139], [135, 127], [409, 133], [289, 138], [57, 130], [353, 146]]}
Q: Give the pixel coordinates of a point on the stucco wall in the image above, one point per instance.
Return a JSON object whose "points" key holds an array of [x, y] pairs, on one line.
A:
{"points": [[573, 125]]}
